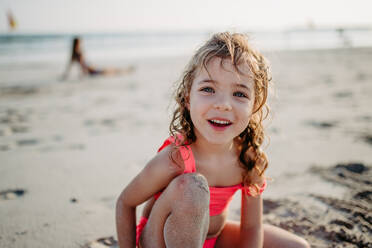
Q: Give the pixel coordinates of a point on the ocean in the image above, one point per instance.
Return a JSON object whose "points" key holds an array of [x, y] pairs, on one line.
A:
{"points": [[22, 53]]}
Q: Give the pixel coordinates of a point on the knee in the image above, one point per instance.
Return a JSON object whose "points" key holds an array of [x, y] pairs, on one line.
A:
{"points": [[192, 189], [302, 243], [191, 184]]}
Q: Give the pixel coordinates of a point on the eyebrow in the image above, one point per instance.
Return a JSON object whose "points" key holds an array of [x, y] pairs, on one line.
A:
{"points": [[215, 82]]}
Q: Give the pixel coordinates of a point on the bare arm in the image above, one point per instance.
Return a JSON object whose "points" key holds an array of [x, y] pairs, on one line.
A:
{"points": [[125, 223], [251, 212], [153, 178], [251, 221], [67, 70], [84, 67]]}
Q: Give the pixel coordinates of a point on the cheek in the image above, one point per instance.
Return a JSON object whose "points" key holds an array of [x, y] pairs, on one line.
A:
{"points": [[195, 109], [198, 103], [198, 109], [245, 114], [245, 119], [245, 108]]}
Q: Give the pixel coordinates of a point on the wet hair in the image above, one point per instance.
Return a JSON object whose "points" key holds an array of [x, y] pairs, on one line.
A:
{"points": [[75, 54], [235, 47]]}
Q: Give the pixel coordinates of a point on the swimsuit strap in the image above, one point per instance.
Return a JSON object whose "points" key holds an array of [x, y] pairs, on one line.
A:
{"points": [[189, 161], [186, 153]]}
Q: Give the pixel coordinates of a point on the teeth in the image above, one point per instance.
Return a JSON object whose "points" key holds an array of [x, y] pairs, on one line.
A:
{"points": [[221, 122]]}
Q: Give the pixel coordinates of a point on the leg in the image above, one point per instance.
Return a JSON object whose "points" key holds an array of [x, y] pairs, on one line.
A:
{"points": [[273, 237], [278, 237], [114, 71], [180, 217]]}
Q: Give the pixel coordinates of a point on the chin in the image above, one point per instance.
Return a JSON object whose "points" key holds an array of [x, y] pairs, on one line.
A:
{"points": [[218, 139]]}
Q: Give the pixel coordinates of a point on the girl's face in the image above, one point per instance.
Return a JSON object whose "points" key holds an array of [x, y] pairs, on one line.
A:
{"points": [[221, 105]]}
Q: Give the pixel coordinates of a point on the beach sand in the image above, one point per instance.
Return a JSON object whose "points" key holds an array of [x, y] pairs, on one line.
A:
{"points": [[67, 149]]}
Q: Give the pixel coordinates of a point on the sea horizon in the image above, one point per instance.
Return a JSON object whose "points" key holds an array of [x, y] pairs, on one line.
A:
{"points": [[23, 53]]}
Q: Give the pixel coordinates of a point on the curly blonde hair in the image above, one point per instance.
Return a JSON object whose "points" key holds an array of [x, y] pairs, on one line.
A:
{"points": [[233, 46]]}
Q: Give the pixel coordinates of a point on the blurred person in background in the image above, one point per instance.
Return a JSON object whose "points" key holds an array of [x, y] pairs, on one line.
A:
{"points": [[86, 69]]}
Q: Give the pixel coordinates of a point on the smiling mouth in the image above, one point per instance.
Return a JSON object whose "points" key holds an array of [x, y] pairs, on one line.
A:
{"points": [[220, 123]]}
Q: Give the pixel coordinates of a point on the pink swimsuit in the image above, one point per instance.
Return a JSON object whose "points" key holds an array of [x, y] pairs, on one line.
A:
{"points": [[220, 196]]}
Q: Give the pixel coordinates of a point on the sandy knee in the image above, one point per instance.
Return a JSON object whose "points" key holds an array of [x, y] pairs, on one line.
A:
{"points": [[192, 188], [191, 182], [185, 201]]}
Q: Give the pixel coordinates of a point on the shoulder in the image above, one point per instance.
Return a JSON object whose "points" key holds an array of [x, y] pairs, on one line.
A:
{"points": [[154, 177], [168, 158]]}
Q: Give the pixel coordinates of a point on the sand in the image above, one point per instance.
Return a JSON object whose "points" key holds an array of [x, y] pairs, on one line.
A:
{"points": [[68, 148]]}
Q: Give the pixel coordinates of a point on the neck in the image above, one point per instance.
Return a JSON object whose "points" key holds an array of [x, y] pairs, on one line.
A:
{"points": [[202, 146]]}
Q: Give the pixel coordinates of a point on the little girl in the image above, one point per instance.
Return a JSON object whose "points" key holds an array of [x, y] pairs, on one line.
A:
{"points": [[213, 151]]}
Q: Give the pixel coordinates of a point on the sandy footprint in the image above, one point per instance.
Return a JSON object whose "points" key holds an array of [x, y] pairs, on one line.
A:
{"points": [[19, 128], [7, 146], [322, 124], [27, 142], [367, 138], [108, 122], [11, 194], [103, 243], [5, 131], [343, 94]]}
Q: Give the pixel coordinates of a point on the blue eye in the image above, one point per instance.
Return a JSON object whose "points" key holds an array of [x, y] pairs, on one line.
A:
{"points": [[240, 94], [207, 89]]}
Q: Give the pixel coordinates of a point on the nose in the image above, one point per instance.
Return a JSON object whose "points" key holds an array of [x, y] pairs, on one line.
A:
{"points": [[222, 103]]}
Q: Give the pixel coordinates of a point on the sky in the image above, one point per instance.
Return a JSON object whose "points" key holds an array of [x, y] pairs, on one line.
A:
{"points": [[55, 16]]}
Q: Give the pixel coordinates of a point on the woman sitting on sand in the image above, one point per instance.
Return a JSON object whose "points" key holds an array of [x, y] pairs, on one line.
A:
{"points": [[77, 56]]}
